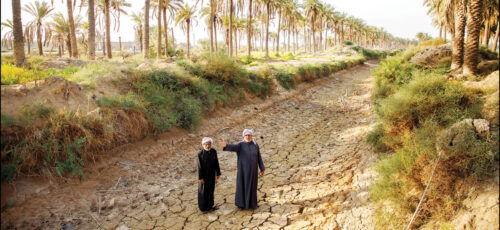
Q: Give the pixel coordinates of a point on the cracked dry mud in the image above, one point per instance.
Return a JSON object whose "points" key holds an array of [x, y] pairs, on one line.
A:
{"points": [[318, 168]]}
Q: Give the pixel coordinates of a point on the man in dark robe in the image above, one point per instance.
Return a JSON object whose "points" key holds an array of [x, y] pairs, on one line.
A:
{"points": [[246, 180], [208, 172]]}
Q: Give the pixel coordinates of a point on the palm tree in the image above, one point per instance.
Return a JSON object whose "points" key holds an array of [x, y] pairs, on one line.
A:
{"points": [[61, 27], [39, 11], [8, 37], [458, 42], [138, 18], [231, 11], [170, 6], [146, 30], [472, 43], [108, 28], [186, 15], [74, 47], [18, 33], [249, 36], [157, 8], [312, 12], [270, 5], [91, 19], [118, 8], [491, 13]]}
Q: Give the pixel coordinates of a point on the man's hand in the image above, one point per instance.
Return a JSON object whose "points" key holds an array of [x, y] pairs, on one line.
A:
{"points": [[262, 173], [201, 181], [217, 177], [222, 144]]}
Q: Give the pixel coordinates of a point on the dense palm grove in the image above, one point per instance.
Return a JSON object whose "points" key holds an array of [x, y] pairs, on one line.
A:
{"points": [[479, 18], [287, 25]]}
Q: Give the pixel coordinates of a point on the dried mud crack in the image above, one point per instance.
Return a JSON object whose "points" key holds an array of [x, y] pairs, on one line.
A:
{"points": [[313, 146]]}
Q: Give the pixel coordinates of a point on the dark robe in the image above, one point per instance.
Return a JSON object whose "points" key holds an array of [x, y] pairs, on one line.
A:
{"points": [[208, 168], [246, 180]]}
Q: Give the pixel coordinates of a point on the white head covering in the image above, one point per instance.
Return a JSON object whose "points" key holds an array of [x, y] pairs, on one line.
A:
{"points": [[247, 132], [205, 140]]}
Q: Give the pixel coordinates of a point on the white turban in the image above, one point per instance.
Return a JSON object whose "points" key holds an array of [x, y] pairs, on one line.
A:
{"points": [[247, 132], [205, 140]]}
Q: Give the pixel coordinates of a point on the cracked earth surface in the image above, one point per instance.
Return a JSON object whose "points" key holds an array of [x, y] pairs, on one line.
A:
{"points": [[318, 169]]}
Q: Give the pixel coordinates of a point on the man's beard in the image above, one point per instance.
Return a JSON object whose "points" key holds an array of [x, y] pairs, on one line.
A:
{"points": [[206, 149]]}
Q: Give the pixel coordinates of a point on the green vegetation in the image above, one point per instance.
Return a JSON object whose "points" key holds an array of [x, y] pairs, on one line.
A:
{"points": [[42, 140], [414, 108]]}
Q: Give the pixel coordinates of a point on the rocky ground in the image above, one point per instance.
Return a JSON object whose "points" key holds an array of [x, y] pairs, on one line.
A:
{"points": [[318, 168]]}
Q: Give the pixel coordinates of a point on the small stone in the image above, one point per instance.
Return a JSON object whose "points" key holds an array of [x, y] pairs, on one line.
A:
{"points": [[111, 203], [212, 218], [67, 226], [123, 227]]}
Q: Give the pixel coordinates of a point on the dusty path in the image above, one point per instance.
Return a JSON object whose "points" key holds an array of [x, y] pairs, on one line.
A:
{"points": [[318, 170]]}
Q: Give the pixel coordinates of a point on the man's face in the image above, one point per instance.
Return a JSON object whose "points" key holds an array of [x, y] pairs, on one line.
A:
{"points": [[207, 145], [248, 138]]}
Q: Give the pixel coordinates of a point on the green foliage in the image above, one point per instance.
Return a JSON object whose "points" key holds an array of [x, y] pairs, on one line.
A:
{"points": [[223, 70], [391, 74], [413, 107], [428, 96], [129, 101], [432, 42], [286, 57], [7, 120], [246, 60], [286, 79], [14, 75], [189, 110], [348, 43], [470, 155], [74, 163], [487, 54]]}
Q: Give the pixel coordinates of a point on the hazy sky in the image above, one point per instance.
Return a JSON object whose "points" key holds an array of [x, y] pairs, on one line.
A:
{"points": [[402, 18]]}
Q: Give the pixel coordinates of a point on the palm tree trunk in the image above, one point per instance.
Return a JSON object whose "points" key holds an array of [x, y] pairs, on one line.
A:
{"points": [[313, 31], [104, 45], [60, 47], [288, 33], [120, 42], [146, 29], [496, 37], [458, 44], [278, 35], [305, 40], [39, 36], [158, 40], [141, 38], [472, 43], [108, 32], [294, 39], [18, 33], [74, 47], [68, 44], [173, 38], [91, 19], [188, 25], [249, 36], [267, 28], [215, 34], [211, 27], [236, 42], [165, 27], [487, 32], [231, 28], [342, 31], [326, 36]]}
